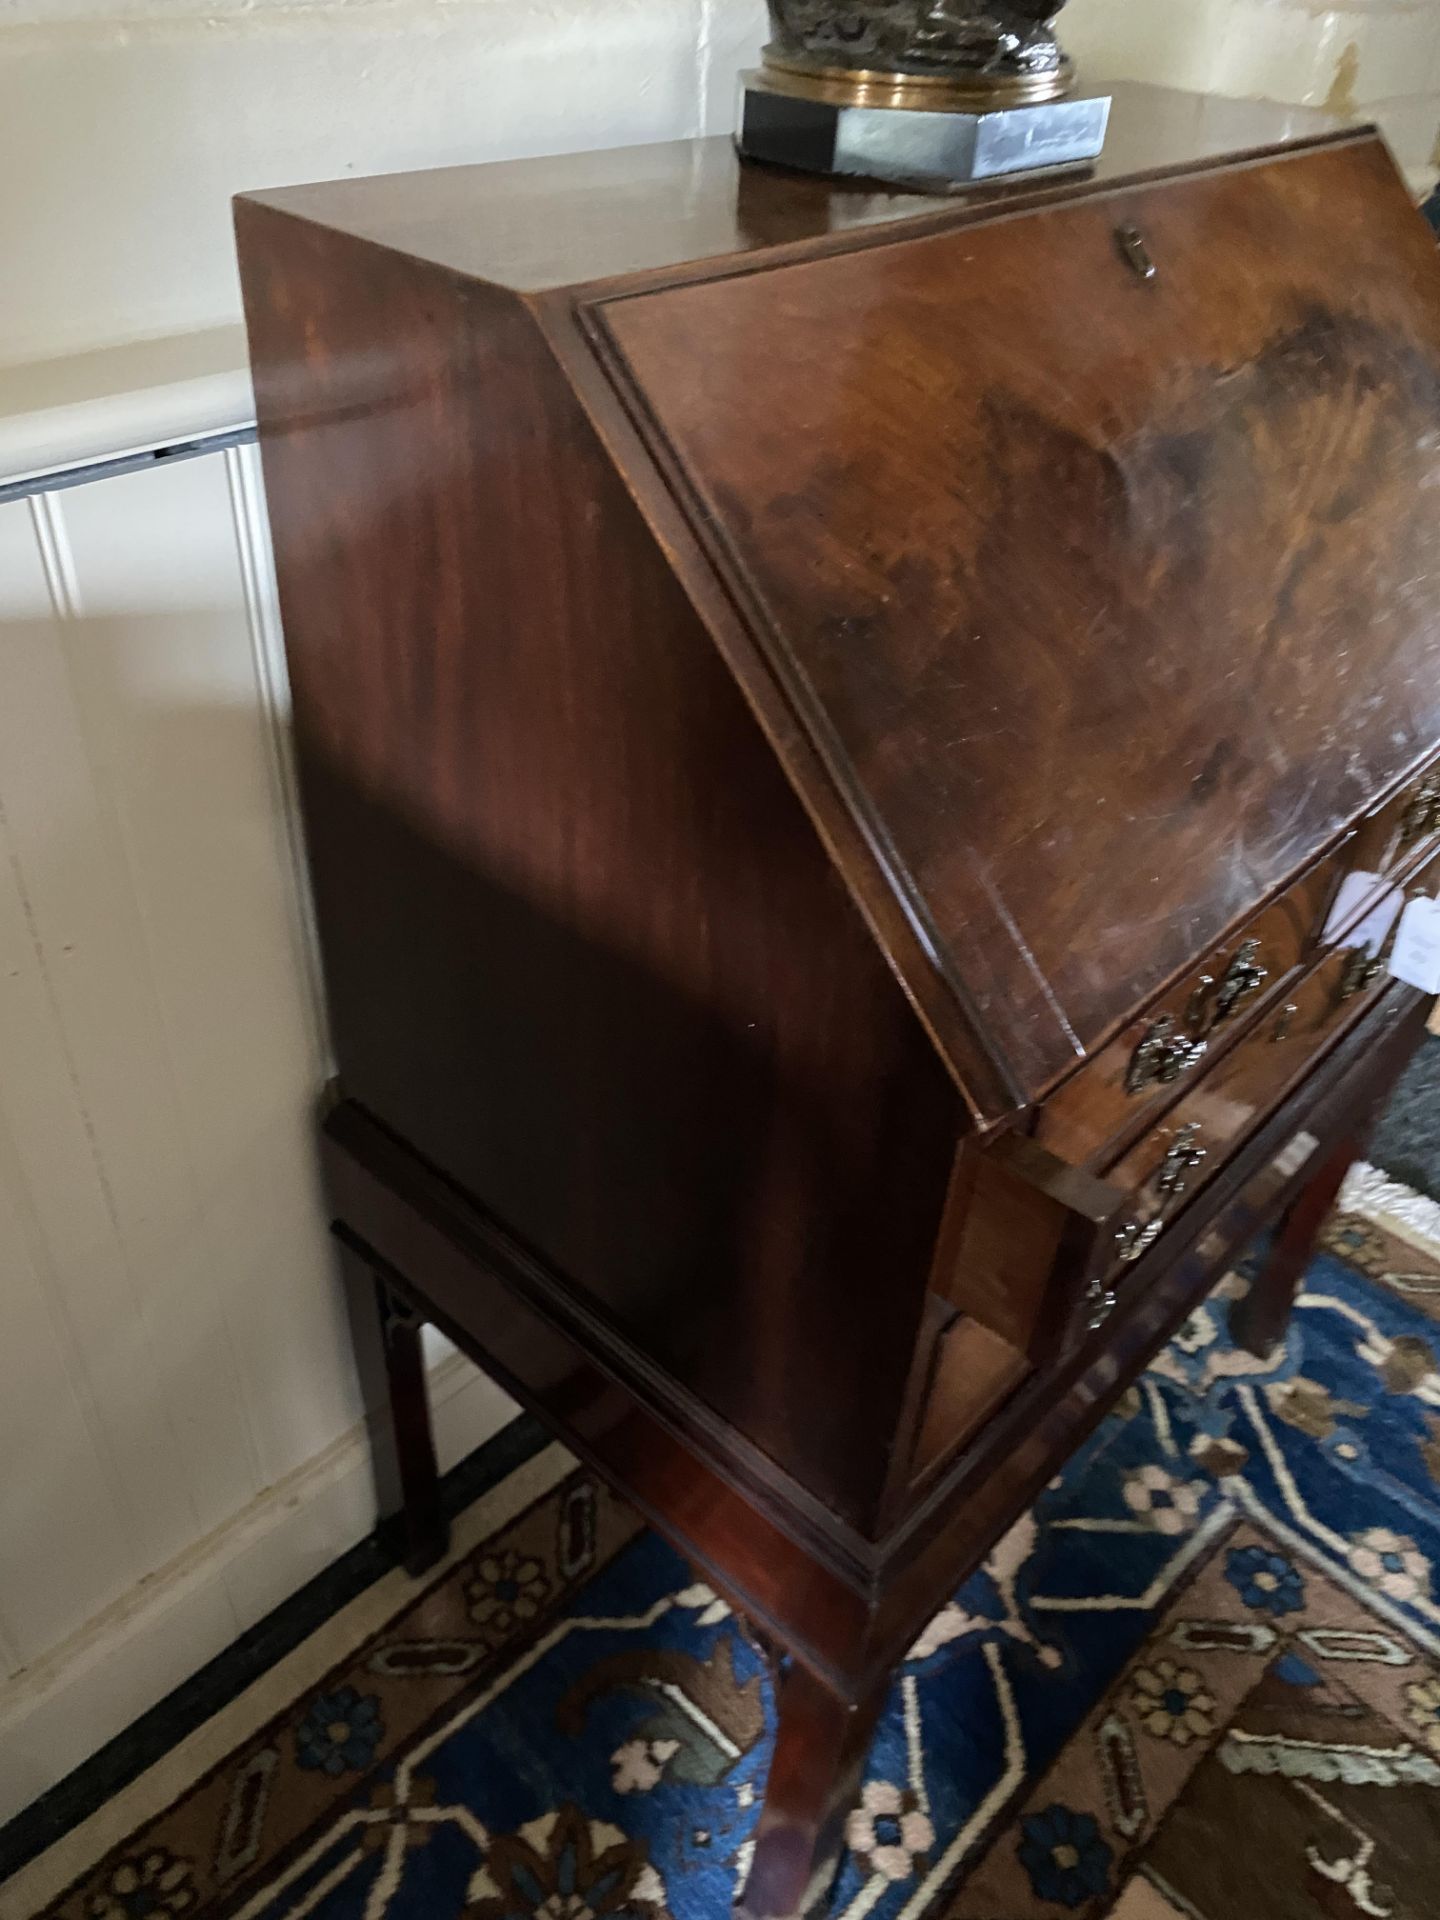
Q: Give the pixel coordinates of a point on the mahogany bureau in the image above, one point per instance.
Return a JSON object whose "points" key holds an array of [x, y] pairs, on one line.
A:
{"points": [[850, 745]]}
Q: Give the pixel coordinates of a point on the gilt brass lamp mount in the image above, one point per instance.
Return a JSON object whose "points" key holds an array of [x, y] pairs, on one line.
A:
{"points": [[922, 92]]}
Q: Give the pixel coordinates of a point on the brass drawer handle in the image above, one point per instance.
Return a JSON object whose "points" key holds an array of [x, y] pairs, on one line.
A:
{"points": [[1281, 1029], [1181, 1158], [1364, 966], [1362, 970], [1241, 978], [1422, 816], [1162, 1056], [1164, 1053], [1133, 1239], [1100, 1302]]}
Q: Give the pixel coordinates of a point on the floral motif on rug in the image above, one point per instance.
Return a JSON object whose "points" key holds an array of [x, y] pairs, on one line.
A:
{"points": [[1200, 1679]]}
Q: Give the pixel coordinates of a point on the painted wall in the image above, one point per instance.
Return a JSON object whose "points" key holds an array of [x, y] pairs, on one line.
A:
{"points": [[132, 122], [179, 1422], [177, 1417], [125, 125]]}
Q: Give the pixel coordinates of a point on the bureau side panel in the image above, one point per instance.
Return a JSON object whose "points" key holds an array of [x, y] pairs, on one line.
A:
{"points": [[583, 948]]}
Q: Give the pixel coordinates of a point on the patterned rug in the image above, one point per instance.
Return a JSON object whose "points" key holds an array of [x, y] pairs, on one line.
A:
{"points": [[1201, 1679]]}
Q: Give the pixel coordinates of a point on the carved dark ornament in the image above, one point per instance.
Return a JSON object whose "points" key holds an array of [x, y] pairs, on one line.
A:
{"points": [[969, 40]]}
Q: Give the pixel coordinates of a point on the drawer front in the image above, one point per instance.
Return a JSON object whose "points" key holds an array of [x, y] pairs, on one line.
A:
{"points": [[1404, 828], [1394, 844], [1173, 1043], [1168, 1165], [1170, 1044]]}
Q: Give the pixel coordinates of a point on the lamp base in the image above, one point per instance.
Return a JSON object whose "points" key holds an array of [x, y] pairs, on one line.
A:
{"points": [[914, 146]]}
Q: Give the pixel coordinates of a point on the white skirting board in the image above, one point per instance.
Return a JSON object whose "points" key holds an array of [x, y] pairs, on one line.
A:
{"points": [[56, 1714]]}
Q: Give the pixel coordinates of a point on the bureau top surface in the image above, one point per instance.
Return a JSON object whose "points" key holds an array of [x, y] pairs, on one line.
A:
{"points": [[538, 224]]}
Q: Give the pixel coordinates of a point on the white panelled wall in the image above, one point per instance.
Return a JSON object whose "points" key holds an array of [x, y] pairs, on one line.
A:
{"points": [[179, 1447], [178, 1417]]}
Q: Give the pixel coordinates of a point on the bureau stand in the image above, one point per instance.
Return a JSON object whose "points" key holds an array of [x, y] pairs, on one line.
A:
{"points": [[845, 1625]]}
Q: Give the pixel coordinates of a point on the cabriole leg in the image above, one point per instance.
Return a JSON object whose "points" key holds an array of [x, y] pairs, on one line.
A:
{"points": [[821, 1742], [388, 1353]]}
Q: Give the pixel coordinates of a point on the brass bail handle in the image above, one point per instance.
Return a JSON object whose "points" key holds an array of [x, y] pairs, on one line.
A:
{"points": [[1362, 966], [1162, 1056], [1212, 1002], [1164, 1053], [1422, 816]]}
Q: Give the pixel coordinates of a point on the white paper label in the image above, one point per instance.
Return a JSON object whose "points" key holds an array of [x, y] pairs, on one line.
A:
{"points": [[1415, 957], [1371, 930]]}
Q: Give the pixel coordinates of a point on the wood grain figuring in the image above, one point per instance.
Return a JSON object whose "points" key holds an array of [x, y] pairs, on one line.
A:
{"points": [[1111, 627]]}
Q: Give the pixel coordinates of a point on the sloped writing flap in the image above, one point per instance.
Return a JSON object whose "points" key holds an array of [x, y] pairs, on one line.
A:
{"points": [[1110, 599]]}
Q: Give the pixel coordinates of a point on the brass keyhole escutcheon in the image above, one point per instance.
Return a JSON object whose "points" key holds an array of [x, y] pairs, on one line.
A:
{"points": [[1134, 252]]}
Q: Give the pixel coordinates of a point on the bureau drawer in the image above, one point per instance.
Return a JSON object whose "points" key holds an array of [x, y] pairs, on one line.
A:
{"points": [[1172, 1161], [1404, 828], [1112, 1096], [1033, 1252], [1137, 1073]]}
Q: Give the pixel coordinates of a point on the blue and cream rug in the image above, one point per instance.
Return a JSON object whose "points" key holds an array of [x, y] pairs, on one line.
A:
{"points": [[1201, 1679]]}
